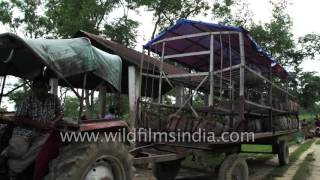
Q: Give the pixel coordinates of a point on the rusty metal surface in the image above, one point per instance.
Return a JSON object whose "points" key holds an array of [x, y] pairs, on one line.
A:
{"points": [[157, 158], [159, 153], [130, 55], [103, 124]]}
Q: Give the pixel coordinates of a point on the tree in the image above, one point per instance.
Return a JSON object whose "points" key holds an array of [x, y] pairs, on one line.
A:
{"points": [[123, 30], [311, 45], [276, 36], [71, 107], [28, 20], [19, 95], [62, 18], [232, 12], [167, 12], [309, 91], [3, 108], [68, 16]]}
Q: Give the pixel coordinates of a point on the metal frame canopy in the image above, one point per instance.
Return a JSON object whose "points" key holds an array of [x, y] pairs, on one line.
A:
{"points": [[188, 36], [68, 59]]}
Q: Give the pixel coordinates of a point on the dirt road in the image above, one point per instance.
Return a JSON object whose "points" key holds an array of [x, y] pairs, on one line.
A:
{"points": [[315, 171]]}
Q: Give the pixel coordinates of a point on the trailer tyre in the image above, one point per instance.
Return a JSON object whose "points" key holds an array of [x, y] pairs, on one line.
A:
{"points": [[283, 153], [107, 160], [234, 167], [166, 170]]}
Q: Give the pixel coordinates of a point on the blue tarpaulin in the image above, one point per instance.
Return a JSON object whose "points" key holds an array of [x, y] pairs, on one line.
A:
{"points": [[254, 53]]}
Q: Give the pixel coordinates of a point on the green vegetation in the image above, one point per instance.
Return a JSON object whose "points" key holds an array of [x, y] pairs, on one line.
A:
{"points": [[280, 170], [308, 116], [302, 148], [207, 161], [304, 168], [71, 107]]}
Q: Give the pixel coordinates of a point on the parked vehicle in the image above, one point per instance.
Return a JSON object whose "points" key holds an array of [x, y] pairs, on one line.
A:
{"points": [[76, 64], [230, 85]]}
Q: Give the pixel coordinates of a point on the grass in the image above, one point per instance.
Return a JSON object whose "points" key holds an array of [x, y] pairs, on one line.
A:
{"points": [[318, 142], [304, 168], [280, 170]]}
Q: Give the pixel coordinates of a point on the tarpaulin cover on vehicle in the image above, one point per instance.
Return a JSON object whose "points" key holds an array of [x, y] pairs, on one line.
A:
{"points": [[253, 51], [26, 58]]}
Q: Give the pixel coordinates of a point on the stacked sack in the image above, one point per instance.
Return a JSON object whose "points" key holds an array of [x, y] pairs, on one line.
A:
{"points": [[189, 124]]}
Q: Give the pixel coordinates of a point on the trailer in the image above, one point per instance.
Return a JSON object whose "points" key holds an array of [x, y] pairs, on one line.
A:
{"points": [[230, 85]]}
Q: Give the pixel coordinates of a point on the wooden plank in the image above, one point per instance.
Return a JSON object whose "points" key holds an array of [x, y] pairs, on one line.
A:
{"points": [[53, 82], [179, 95], [132, 94]]}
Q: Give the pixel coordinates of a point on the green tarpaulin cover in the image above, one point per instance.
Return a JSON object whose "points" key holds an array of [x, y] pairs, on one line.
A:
{"points": [[66, 57]]}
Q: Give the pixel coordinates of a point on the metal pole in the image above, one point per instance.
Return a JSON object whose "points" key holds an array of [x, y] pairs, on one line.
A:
{"points": [[287, 98], [211, 95], [161, 69], [82, 95], [141, 71], [140, 85], [230, 71], [231, 86], [270, 100], [242, 68], [146, 78], [221, 65], [2, 88]]}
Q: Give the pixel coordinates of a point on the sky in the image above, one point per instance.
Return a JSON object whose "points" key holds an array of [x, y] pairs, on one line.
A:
{"points": [[303, 12]]}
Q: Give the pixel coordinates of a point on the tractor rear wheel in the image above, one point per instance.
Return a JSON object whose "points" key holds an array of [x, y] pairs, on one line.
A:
{"points": [[84, 161]]}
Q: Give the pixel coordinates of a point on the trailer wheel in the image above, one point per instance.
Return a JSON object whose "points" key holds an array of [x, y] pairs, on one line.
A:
{"points": [[166, 170], [234, 168], [283, 153], [103, 160]]}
